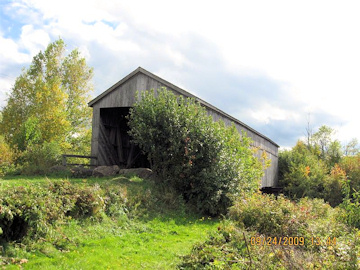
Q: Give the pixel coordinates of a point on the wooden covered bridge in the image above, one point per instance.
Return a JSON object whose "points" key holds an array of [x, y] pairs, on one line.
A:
{"points": [[110, 142]]}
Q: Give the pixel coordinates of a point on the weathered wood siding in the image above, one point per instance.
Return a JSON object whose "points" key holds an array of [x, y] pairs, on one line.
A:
{"points": [[123, 94]]}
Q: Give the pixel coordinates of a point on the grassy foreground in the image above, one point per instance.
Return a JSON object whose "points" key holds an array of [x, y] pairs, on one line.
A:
{"points": [[151, 236], [131, 223], [156, 244]]}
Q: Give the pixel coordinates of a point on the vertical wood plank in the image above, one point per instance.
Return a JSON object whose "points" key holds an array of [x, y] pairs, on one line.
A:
{"points": [[119, 145]]}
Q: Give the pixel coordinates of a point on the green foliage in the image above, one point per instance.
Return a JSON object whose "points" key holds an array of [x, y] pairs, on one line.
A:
{"points": [[81, 201], [322, 144], [351, 165], [334, 186], [302, 173], [142, 217], [282, 217], [34, 211], [224, 249], [334, 153], [163, 237], [352, 208], [319, 169], [323, 138], [352, 148], [250, 239], [265, 215], [202, 159], [48, 102], [7, 157], [351, 203], [29, 134], [39, 158], [115, 201]]}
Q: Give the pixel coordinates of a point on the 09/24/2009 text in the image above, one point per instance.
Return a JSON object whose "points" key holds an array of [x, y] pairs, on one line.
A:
{"points": [[292, 241]]}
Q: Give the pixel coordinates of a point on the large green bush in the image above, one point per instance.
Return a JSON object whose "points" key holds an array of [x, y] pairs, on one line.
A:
{"points": [[202, 159]]}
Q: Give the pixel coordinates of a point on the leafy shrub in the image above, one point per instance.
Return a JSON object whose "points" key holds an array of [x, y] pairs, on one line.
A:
{"points": [[351, 205], [302, 173], [27, 211], [282, 217], [262, 216], [233, 248], [334, 186], [351, 202], [351, 166], [38, 158], [116, 199], [223, 249], [34, 210], [80, 201], [203, 160]]}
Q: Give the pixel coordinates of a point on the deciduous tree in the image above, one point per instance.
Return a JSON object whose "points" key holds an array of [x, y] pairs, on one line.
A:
{"points": [[50, 97], [352, 148], [323, 138]]}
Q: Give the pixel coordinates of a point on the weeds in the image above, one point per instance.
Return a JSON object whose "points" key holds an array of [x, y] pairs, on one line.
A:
{"points": [[317, 237]]}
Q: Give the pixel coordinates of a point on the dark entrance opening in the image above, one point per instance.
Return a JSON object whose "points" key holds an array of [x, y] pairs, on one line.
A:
{"points": [[115, 147]]}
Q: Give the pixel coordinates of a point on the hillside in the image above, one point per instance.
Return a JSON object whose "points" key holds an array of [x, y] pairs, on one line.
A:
{"points": [[150, 232]]}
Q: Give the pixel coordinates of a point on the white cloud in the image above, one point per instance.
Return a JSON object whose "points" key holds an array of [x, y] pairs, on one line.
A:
{"points": [[5, 85], [9, 52], [267, 113], [347, 131], [85, 52], [176, 57], [15, 54], [33, 40]]}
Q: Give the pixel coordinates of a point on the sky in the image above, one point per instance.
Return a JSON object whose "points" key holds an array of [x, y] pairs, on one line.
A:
{"points": [[274, 65]]}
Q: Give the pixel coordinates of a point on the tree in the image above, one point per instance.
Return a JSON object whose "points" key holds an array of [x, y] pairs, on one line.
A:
{"points": [[48, 102], [317, 168], [334, 153], [323, 138], [309, 132], [351, 148], [325, 146]]}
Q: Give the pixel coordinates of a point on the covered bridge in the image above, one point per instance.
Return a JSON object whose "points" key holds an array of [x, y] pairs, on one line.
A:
{"points": [[110, 142]]}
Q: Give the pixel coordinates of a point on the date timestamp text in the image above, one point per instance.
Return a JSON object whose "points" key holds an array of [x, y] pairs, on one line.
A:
{"points": [[292, 241]]}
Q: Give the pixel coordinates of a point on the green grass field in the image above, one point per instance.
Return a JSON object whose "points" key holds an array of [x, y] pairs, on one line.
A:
{"points": [[154, 237], [155, 244]]}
